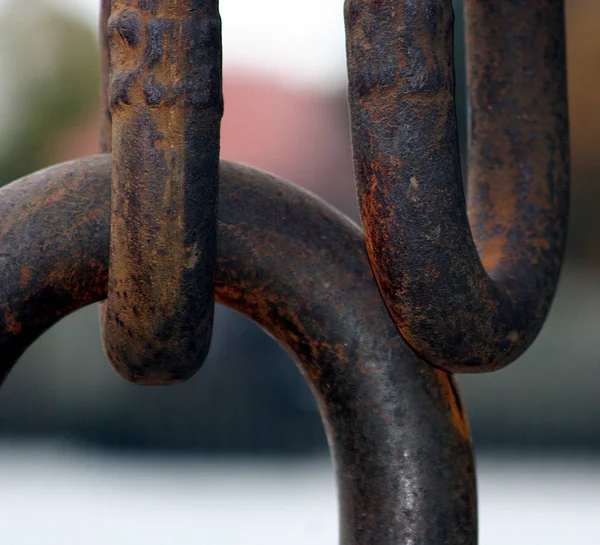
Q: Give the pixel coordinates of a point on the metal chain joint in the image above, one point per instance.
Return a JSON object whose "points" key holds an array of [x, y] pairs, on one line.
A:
{"points": [[466, 282]]}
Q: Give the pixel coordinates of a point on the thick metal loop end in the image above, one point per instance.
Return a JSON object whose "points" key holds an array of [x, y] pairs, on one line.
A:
{"points": [[166, 104], [468, 294]]}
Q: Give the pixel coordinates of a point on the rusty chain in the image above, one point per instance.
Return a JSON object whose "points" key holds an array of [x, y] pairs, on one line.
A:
{"points": [[462, 301], [467, 299]]}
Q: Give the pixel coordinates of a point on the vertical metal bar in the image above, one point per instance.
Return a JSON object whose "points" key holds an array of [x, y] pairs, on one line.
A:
{"points": [[459, 311], [166, 105], [518, 156], [105, 121], [105, 126]]}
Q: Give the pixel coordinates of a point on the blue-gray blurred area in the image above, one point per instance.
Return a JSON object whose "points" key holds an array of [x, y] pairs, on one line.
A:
{"points": [[249, 399]]}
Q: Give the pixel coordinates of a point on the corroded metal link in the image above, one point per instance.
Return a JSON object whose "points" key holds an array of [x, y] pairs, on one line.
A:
{"points": [[467, 300], [166, 105], [287, 260]]}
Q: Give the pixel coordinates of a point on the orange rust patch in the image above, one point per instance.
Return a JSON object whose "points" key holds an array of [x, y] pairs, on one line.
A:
{"points": [[25, 276], [493, 253], [449, 391], [13, 325]]}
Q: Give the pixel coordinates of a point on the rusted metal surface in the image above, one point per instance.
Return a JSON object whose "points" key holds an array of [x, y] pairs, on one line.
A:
{"points": [[466, 300], [105, 127], [396, 426], [468, 287], [166, 104], [105, 123]]}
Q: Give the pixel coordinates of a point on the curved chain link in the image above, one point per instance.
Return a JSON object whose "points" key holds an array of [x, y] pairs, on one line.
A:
{"points": [[469, 294]]}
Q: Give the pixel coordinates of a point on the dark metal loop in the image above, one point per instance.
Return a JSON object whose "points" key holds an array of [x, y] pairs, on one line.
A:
{"points": [[166, 104], [395, 424], [468, 294]]}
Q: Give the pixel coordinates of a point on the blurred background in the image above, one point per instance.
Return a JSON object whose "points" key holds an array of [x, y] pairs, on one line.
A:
{"points": [[239, 453]]}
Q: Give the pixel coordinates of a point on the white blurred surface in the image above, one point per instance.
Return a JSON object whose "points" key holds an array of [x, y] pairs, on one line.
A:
{"points": [[60, 496]]}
